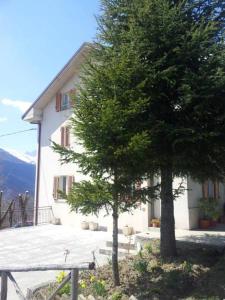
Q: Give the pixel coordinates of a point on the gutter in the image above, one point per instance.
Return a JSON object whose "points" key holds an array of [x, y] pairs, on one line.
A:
{"points": [[37, 183]]}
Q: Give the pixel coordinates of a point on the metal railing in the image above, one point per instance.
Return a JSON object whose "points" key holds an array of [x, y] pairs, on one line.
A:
{"points": [[45, 215], [17, 218]]}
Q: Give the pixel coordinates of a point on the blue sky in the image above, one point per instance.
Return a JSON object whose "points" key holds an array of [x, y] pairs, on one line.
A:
{"points": [[37, 38]]}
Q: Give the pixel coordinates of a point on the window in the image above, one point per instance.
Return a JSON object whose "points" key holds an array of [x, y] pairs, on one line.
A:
{"points": [[65, 136], [63, 184], [65, 104], [210, 189], [64, 101]]}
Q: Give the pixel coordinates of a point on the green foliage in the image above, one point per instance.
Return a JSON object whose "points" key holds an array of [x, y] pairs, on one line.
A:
{"points": [[99, 288], [148, 248], [141, 266], [209, 208], [117, 296], [154, 266], [187, 267], [152, 98], [66, 288]]}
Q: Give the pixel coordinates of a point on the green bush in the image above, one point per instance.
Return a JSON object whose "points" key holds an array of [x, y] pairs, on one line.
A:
{"points": [[66, 288], [99, 288], [148, 248], [141, 266], [117, 296]]}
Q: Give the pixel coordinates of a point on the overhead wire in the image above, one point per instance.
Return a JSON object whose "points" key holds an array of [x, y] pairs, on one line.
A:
{"points": [[17, 132]]}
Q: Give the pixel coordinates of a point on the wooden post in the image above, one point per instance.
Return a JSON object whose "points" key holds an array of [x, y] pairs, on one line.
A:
{"points": [[74, 284], [4, 285]]}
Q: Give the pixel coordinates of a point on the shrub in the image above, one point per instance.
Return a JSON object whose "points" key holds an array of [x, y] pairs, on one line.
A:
{"points": [[141, 266], [148, 248], [66, 288], [99, 288], [117, 296]]}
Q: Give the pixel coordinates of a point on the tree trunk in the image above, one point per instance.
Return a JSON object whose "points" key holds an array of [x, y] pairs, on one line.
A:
{"points": [[115, 267], [167, 230]]}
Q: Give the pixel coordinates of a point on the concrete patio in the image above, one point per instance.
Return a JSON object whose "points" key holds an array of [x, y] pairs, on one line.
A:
{"points": [[214, 236], [46, 244]]}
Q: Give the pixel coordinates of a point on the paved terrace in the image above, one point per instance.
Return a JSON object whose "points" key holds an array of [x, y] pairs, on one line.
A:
{"points": [[214, 237], [46, 244]]}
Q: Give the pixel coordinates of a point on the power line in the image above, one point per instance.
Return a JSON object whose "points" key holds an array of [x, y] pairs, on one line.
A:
{"points": [[16, 132]]}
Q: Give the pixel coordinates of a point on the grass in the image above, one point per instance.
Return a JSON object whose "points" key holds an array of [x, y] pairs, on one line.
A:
{"points": [[198, 272]]}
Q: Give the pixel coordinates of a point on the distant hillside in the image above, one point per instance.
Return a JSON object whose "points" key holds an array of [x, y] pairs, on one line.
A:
{"points": [[16, 175]]}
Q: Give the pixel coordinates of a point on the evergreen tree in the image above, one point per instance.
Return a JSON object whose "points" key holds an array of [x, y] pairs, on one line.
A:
{"points": [[180, 49], [152, 102], [104, 124]]}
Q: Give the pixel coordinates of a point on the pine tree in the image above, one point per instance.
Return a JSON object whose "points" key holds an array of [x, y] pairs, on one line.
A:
{"points": [[110, 98], [152, 102], [180, 46]]}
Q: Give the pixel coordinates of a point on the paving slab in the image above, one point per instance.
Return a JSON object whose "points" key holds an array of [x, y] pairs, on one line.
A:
{"points": [[47, 244], [214, 237]]}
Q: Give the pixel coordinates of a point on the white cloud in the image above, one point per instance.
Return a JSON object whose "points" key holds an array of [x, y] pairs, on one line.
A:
{"points": [[21, 105], [3, 119]]}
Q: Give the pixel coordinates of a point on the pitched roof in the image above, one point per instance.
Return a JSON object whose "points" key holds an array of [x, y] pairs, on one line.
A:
{"points": [[60, 79]]}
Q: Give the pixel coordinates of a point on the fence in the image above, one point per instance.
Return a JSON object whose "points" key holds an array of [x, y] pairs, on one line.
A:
{"points": [[16, 217], [73, 276]]}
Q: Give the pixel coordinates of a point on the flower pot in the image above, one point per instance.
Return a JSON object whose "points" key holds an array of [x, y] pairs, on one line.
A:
{"points": [[56, 221], [204, 224], [127, 230], [155, 222], [84, 225], [93, 226]]}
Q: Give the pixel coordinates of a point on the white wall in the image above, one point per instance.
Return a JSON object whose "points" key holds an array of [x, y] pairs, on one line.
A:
{"points": [[180, 206], [181, 211]]}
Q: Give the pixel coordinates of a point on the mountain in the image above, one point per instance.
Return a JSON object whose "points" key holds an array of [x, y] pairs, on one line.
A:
{"points": [[29, 157], [16, 175]]}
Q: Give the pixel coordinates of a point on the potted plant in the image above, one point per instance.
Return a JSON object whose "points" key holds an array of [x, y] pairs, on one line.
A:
{"points": [[84, 225], [127, 230], [215, 216], [155, 222], [93, 226], [209, 212]]}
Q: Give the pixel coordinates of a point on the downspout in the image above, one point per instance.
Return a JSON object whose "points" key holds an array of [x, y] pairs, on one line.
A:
{"points": [[37, 175]]}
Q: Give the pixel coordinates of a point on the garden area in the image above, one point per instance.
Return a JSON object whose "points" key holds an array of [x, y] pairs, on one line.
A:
{"points": [[196, 273]]}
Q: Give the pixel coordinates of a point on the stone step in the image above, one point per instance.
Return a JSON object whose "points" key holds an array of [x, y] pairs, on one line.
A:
{"points": [[123, 245], [121, 252]]}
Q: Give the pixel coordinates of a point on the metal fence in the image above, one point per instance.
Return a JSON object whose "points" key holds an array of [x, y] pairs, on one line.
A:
{"points": [[16, 218]]}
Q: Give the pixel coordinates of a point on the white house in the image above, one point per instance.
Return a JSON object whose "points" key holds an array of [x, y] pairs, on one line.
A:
{"points": [[51, 112]]}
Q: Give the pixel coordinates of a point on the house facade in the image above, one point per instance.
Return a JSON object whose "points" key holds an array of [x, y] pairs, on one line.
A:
{"points": [[51, 112]]}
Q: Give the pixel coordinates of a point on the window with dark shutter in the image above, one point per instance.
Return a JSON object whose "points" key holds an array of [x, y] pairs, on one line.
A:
{"points": [[62, 183], [70, 180], [58, 102], [210, 189], [65, 136], [55, 187], [62, 129]]}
